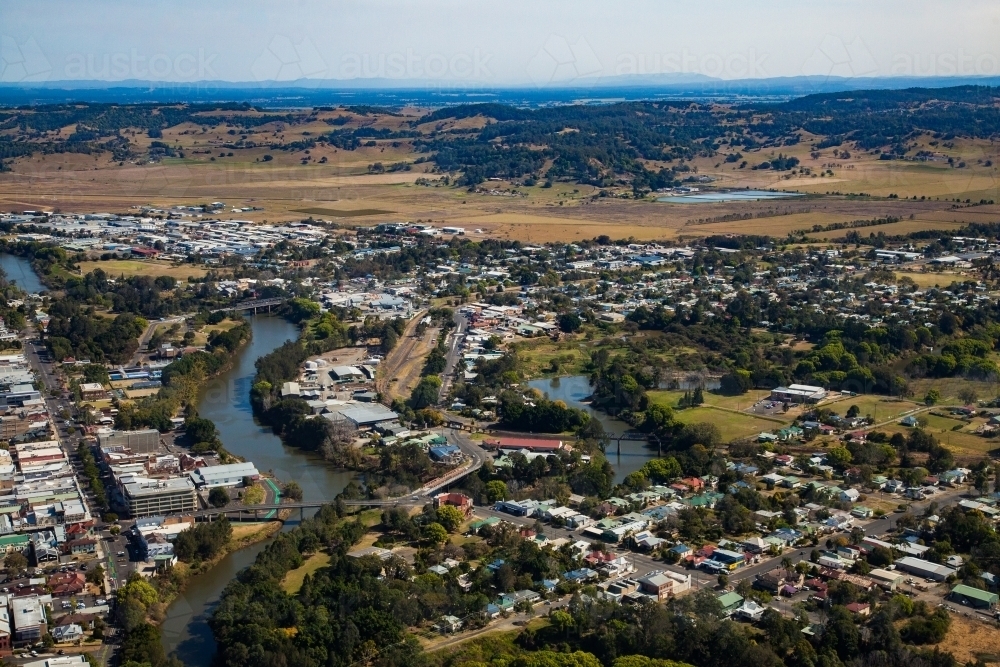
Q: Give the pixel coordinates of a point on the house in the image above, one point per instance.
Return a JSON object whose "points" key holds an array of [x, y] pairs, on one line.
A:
{"points": [[849, 495], [730, 602], [64, 584], [448, 624], [860, 608], [778, 578], [67, 633], [909, 421], [682, 550], [749, 611]]}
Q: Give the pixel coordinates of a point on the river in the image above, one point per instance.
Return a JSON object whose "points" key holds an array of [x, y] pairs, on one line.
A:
{"points": [[19, 271], [226, 401], [573, 390]]}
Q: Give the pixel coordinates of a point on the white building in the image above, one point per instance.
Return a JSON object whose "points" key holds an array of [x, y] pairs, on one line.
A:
{"points": [[232, 474]]}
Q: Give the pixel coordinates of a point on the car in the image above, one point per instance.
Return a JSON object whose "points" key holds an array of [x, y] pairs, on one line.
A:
{"points": [[81, 605], [66, 605], [121, 553], [34, 654], [100, 602]]}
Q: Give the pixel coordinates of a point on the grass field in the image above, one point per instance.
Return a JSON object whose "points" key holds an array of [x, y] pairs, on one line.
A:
{"points": [[732, 425], [337, 213], [334, 183], [292, 582], [972, 640], [537, 354], [133, 267]]}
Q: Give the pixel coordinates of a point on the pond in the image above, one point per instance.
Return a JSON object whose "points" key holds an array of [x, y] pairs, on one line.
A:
{"points": [[735, 195], [625, 456], [20, 271]]}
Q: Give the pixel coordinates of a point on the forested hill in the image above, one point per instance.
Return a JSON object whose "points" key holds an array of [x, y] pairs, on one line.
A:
{"points": [[643, 144]]}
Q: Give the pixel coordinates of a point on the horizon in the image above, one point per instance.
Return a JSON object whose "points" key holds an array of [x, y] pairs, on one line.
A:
{"points": [[444, 44]]}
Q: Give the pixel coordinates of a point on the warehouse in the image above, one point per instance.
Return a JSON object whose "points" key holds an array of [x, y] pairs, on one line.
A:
{"points": [[233, 474], [887, 579], [360, 416], [973, 597], [925, 568]]}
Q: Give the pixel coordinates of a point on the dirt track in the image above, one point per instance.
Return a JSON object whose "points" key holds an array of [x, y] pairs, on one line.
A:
{"points": [[400, 371]]}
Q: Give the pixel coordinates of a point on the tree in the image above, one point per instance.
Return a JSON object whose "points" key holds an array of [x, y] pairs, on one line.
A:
{"points": [[933, 397], [254, 495], [15, 561], [450, 517], [736, 382], [562, 622], [218, 497], [853, 411], [839, 456], [292, 491], [570, 322], [96, 576], [659, 471], [425, 393], [435, 533], [968, 395], [496, 490]]}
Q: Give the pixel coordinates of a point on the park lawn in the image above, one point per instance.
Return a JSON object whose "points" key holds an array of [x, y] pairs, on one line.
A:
{"points": [[536, 356], [963, 443], [293, 580], [134, 267], [671, 397], [733, 426], [880, 408], [926, 280], [201, 335]]}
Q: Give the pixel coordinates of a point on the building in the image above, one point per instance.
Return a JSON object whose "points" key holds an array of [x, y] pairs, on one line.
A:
{"points": [[28, 615], [662, 585], [887, 579], [346, 373], [973, 597], [530, 444], [140, 442], [730, 602], [67, 633], [798, 393], [17, 543], [229, 475], [925, 568], [459, 500], [366, 415], [59, 661], [92, 391], [148, 497]]}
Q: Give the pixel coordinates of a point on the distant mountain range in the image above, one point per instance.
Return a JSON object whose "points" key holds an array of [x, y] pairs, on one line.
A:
{"points": [[397, 92]]}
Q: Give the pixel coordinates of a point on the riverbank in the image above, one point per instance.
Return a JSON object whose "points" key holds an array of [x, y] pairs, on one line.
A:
{"points": [[244, 535], [225, 400]]}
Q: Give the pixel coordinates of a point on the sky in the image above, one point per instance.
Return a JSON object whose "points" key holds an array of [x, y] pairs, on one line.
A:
{"points": [[499, 43]]}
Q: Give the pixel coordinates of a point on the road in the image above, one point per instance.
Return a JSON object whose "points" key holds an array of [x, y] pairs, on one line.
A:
{"points": [[148, 333], [457, 335], [645, 563]]}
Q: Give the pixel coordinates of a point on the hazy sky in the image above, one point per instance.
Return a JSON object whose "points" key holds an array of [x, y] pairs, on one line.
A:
{"points": [[502, 42]]}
